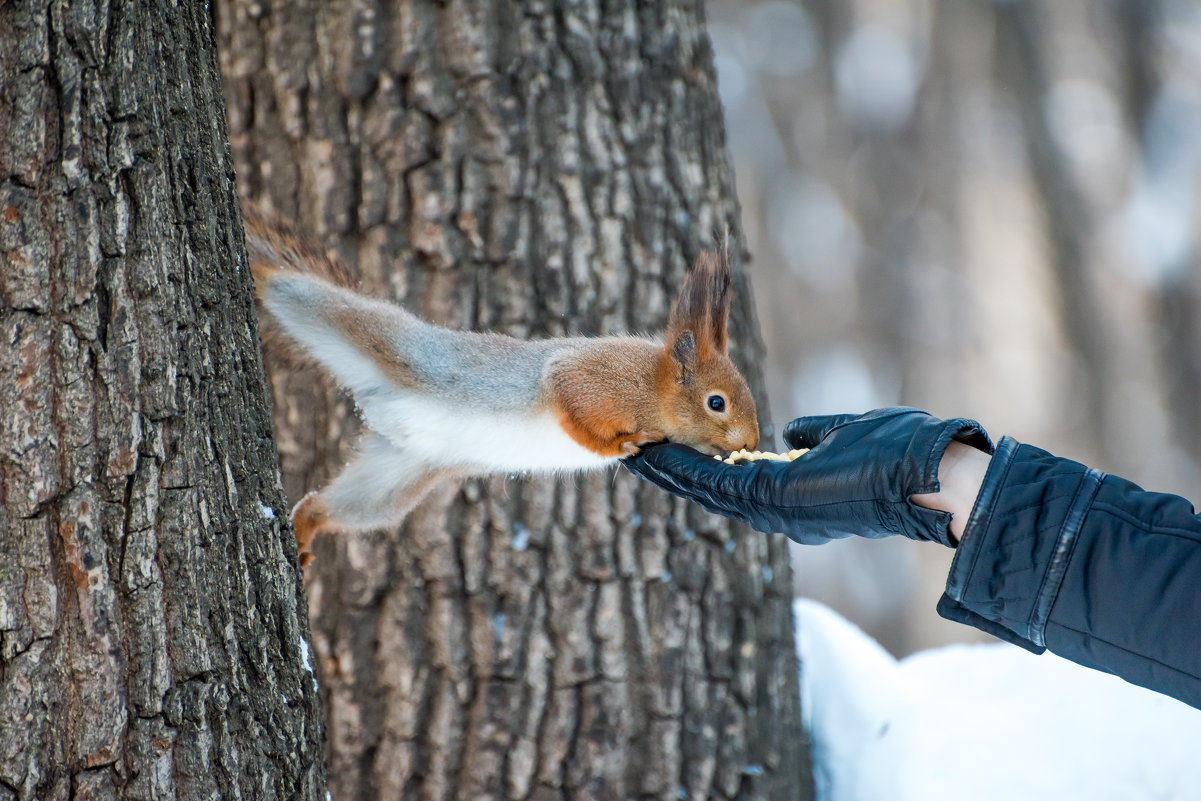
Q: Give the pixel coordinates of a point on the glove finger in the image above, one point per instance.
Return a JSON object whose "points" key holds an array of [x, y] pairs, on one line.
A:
{"points": [[808, 432], [692, 475], [676, 468]]}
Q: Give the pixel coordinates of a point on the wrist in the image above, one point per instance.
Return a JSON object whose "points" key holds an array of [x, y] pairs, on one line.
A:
{"points": [[960, 475]]}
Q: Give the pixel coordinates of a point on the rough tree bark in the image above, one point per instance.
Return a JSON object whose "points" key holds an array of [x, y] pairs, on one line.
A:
{"points": [[538, 169], [152, 624]]}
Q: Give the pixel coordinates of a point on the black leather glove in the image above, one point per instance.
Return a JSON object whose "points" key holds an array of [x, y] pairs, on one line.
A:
{"points": [[856, 479]]}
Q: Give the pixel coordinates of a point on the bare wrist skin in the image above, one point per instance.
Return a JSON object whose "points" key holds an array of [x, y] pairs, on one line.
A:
{"points": [[960, 474]]}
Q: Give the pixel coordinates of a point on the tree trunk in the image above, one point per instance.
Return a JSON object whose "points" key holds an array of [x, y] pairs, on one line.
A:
{"points": [[1069, 222], [537, 169], [1177, 298], [152, 635]]}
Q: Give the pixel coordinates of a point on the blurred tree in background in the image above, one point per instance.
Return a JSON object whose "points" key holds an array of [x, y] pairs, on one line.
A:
{"points": [[978, 208]]}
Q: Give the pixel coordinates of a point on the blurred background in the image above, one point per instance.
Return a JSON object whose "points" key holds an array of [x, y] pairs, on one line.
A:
{"points": [[982, 209]]}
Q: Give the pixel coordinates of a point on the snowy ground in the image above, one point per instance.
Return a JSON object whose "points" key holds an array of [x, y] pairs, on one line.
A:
{"points": [[983, 722]]}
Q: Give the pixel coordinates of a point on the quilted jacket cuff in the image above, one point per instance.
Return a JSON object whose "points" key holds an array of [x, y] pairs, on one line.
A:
{"points": [[1010, 564]]}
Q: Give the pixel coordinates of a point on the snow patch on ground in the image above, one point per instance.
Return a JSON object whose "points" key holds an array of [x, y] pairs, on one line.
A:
{"points": [[985, 722]]}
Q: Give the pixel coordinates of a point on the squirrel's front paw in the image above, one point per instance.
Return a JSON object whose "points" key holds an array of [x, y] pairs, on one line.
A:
{"points": [[632, 443]]}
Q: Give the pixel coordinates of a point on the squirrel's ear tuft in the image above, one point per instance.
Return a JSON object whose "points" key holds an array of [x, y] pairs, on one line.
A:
{"points": [[684, 356], [704, 305]]}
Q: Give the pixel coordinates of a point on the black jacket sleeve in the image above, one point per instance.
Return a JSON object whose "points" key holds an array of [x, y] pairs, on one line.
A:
{"points": [[1062, 557]]}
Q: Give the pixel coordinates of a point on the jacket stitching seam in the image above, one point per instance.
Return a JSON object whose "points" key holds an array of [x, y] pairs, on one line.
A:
{"points": [[1142, 525], [1149, 659]]}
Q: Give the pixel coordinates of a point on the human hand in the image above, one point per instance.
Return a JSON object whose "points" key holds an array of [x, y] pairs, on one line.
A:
{"points": [[858, 478]]}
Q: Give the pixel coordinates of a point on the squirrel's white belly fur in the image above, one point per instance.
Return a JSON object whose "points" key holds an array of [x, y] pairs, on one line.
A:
{"points": [[487, 441]]}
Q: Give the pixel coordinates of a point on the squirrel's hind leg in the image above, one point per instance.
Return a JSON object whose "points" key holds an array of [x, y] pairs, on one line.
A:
{"points": [[376, 490]]}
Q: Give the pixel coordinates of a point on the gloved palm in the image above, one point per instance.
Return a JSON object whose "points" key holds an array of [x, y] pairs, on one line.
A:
{"points": [[856, 479]]}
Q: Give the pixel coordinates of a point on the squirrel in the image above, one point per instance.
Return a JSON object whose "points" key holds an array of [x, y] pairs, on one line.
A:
{"points": [[441, 403]]}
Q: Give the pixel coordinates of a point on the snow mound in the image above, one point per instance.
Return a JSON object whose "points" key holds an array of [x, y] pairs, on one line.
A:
{"points": [[983, 722]]}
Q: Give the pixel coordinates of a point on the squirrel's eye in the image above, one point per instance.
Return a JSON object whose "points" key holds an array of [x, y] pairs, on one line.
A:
{"points": [[716, 402]]}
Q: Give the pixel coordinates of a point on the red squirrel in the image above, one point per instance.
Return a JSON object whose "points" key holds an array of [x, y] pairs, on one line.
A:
{"points": [[441, 403]]}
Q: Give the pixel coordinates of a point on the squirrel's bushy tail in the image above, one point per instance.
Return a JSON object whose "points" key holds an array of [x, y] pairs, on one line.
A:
{"points": [[273, 243], [275, 247]]}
